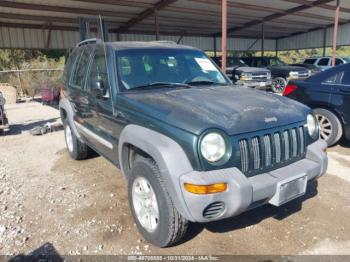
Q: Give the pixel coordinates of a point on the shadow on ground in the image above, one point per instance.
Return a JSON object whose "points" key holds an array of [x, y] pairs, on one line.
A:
{"points": [[46, 252], [17, 129], [253, 216], [345, 143]]}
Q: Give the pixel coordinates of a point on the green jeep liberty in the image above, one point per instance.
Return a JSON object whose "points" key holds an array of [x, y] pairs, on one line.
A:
{"points": [[192, 146]]}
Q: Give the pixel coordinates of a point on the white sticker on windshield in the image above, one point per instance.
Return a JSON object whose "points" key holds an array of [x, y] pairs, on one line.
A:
{"points": [[205, 64]]}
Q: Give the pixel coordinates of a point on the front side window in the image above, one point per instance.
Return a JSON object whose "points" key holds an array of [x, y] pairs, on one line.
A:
{"points": [[346, 78], [310, 61], [235, 62], [80, 69], [276, 62], [142, 68], [98, 71], [335, 78]]}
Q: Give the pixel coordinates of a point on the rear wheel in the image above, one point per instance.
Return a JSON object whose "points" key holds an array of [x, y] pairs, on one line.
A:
{"points": [[279, 84], [331, 129], [77, 149], [154, 213]]}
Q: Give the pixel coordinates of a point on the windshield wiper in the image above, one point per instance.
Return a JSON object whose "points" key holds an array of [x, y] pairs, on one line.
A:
{"points": [[204, 82], [161, 85]]}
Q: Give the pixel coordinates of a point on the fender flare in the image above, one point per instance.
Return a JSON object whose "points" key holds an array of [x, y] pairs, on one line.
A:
{"points": [[67, 107], [169, 156]]}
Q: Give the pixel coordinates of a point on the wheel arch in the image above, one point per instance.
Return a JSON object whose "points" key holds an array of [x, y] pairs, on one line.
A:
{"points": [[167, 154], [331, 109], [66, 112]]}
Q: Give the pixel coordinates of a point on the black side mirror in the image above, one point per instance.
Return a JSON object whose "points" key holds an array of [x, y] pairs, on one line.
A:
{"points": [[98, 88]]}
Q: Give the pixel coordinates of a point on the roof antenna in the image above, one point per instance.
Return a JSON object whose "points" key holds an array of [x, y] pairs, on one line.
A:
{"points": [[105, 37]]}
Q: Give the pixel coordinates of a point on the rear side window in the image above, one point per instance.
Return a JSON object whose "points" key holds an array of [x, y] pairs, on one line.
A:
{"points": [[323, 62], [80, 68], [310, 61], [338, 61]]}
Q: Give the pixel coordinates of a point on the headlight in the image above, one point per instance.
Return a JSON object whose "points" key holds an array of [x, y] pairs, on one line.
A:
{"points": [[213, 147], [312, 126], [310, 72], [246, 76], [293, 74]]}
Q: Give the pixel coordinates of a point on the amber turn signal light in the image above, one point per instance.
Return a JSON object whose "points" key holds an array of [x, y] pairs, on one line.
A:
{"points": [[206, 189]]}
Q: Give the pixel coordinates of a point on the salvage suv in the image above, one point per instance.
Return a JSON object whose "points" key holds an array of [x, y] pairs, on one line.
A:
{"points": [[192, 146]]}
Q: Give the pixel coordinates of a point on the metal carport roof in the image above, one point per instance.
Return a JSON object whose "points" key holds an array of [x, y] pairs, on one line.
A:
{"points": [[54, 24]]}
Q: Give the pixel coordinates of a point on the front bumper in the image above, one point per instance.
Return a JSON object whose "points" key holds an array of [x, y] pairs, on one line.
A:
{"points": [[243, 192], [255, 84]]}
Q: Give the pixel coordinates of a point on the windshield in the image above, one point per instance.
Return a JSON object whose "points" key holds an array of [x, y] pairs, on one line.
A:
{"points": [[276, 62], [235, 62], [157, 68]]}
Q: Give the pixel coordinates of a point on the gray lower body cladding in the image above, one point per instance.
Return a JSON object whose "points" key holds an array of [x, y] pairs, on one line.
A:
{"points": [[243, 192]]}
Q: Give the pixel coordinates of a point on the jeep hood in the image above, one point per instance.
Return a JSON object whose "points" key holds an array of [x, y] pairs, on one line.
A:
{"points": [[232, 109]]}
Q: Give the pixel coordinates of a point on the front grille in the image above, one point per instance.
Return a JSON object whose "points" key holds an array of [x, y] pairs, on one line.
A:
{"points": [[262, 76], [262, 152]]}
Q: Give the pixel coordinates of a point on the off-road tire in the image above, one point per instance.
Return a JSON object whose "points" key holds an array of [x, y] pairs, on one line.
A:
{"points": [[172, 226], [337, 128], [80, 150]]}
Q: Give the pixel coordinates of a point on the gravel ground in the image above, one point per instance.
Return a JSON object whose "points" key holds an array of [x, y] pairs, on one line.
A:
{"points": [[80, 207]]}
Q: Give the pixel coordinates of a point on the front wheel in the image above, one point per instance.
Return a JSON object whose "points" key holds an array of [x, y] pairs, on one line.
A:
{"points": [[154, 212], [279, 84]]}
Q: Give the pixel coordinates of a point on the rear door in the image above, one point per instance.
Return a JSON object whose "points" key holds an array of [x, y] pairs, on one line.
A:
{"points": [[77, 81], [340, 97]]}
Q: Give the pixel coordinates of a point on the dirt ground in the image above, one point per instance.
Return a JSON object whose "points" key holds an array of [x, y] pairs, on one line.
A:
{"points": [[80, 207]]}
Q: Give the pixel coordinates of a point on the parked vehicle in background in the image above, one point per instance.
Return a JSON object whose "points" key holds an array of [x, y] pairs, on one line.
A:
{"points": [[3, 117], [280, 71], [324, 62], [313, 68], [328, 94], [50, 95], [192, 146], [242, 74]]}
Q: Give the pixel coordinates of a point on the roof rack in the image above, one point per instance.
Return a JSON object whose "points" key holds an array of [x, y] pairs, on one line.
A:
{"points": [[165, 42], [89, 41]]}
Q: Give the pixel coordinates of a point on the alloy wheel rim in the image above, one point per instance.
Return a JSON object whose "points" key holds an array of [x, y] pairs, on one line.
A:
{"points": [[326, 128], [145, 204], [279, 85], [69, 138]]}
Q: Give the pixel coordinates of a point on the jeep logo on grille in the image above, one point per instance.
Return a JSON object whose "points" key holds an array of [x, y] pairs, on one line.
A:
{"points": [[270, 119]]}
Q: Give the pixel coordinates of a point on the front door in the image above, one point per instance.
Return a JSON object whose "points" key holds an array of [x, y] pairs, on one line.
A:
{"points": [[102, 121]]}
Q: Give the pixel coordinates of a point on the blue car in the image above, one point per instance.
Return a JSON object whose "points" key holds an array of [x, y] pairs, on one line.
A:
{"points": [[328, 94]]}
